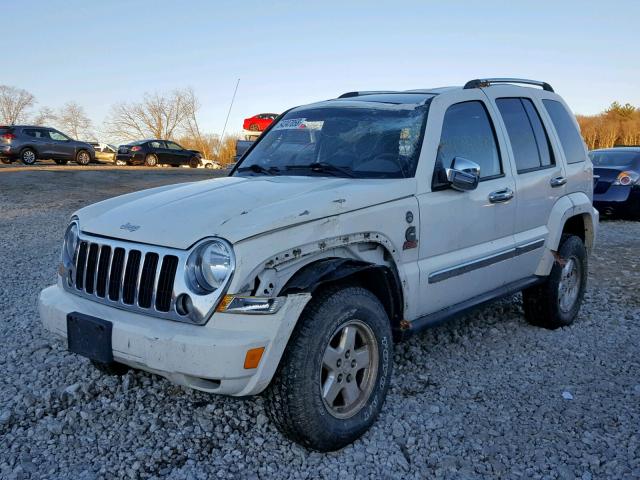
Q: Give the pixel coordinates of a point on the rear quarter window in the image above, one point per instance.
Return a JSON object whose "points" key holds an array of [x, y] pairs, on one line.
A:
{"points": [[570, 139]]}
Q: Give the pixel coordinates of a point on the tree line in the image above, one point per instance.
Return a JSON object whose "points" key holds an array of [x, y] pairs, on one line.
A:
{"points": [[174, 115], [170, 116], [617, 125]]}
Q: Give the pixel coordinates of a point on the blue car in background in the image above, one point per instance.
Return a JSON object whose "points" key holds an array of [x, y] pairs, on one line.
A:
{"points": [[616, 175]]}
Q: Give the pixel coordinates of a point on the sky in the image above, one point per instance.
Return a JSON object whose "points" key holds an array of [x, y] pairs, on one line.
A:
{"points": [[287, 53]]}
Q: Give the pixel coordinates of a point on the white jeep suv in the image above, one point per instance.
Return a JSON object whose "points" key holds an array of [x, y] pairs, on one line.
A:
{"points": [[350, 224]]}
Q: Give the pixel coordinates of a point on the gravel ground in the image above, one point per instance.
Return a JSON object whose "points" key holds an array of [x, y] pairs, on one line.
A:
{"points": [[485, 395]]}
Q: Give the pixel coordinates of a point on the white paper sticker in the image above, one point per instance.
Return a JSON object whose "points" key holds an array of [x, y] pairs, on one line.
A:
{"points": [[289, 124]]}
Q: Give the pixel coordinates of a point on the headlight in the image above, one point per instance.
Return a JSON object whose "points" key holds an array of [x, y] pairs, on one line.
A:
{"points": [[70, 244], [210, 266], [627, 178]]}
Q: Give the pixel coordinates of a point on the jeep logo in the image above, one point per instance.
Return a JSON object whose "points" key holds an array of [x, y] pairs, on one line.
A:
{"points": [[128, 226]]}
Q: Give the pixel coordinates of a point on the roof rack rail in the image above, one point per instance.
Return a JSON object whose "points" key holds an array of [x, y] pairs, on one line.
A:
{"points": [[485, 82], [369, 92]]}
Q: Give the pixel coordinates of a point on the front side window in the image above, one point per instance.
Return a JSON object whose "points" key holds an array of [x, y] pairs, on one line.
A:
{"points": [[370, 140], [570, 139], [174, 146], [529, 140], [467, 132], [58, 136]]}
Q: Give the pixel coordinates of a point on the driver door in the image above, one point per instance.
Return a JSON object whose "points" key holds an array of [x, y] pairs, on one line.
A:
{"points": [[62, 146], [466, 238]]}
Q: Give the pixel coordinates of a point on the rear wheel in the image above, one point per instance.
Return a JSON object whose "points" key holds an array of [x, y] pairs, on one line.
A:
{"points": [[334, 375], [151, 160], [83, 158], [194, 162], [556, 302], [209, 166], [28, 156], [6, 161]]}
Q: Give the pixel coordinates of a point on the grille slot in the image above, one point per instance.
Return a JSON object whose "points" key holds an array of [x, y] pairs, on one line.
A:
{"points": [[131, 277], [103, 271], [117, 266], [90, 271], [82, 261], [147, 279], [165, 283]]}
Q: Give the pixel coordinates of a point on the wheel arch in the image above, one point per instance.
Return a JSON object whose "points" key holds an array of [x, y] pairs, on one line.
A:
{"points": [[381, 280], [572, 214]]}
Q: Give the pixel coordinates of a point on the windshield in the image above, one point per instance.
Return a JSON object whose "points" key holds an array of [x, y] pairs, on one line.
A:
{"points": [[614, 159], [364, 140]]}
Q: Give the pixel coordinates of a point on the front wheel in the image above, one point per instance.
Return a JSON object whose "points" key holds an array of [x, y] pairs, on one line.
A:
{"points": [[83, 158], [556, 302], [121, 163], [194, 162], [335, 372]]}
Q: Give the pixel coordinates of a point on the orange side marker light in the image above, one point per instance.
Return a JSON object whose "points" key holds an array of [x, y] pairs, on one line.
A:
{"points": [[253, 357]]}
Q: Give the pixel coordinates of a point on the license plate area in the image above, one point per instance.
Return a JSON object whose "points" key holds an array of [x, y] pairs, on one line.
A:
{"points": [[90, 337]]}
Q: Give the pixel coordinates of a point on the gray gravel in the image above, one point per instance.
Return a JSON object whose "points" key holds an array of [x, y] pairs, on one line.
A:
{"points": [[484, 396]]}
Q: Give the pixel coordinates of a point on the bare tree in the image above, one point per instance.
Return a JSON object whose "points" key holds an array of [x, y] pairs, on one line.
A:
{"points": [[157, 115], [14, 104], [45, 117], [73, 120]]}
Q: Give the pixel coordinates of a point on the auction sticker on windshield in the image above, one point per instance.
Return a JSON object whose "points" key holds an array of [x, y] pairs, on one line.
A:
{"points": [[289, 123]]}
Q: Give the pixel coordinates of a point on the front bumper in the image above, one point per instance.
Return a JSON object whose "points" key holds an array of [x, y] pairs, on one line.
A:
{"points": [[209, 357], [619, 198]]}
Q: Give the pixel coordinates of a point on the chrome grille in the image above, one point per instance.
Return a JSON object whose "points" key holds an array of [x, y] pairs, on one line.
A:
{"points": [[126, 276]]}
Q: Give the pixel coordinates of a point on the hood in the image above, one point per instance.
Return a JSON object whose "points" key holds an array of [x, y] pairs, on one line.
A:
{"points": [[233, 208]]}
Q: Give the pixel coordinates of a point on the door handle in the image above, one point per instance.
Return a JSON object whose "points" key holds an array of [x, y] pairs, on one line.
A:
{"points": [[558, 181], [500, 196]]}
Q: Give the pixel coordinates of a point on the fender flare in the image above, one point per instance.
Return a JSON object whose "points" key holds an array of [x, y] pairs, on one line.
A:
{"points": [[572, 205]]}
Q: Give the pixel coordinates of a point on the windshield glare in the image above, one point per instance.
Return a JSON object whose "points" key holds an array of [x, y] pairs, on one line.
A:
{"points": [[372, 141], [614, 159]]}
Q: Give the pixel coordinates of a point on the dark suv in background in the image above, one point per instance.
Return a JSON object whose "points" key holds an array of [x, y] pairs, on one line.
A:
{"points": [[616, 174], [152, 152], [30, 143]]}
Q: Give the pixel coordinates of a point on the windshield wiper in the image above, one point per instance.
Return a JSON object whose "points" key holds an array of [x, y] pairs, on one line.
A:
{"points": [[325, 167], [257, 168]]}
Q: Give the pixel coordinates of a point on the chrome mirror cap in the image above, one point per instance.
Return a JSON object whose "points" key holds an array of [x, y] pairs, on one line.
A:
{"points": [[463, 175]]}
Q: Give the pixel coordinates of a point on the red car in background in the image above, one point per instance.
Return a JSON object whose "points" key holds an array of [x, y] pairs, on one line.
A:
{"points": [[259, 122]]}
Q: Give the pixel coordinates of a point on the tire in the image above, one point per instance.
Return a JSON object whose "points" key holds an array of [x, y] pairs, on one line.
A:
{"points": [[151, 160], [208, 166], [61, 162], [6, 161], [556, 302], [114, 369], [83, 158], [194, 162], [121, 163], [294, 400], [254, 127], [28, 156]]}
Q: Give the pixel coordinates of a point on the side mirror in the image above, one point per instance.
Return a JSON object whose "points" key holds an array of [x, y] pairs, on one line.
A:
{"points": [[463, 174]]}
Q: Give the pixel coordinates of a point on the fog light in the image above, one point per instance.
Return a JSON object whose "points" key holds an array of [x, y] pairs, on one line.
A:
{"points": [[184, 305], [253, 357]]}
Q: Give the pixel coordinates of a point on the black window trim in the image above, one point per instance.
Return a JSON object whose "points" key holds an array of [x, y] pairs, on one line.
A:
{"points": [[546, 131], [435, 188]]}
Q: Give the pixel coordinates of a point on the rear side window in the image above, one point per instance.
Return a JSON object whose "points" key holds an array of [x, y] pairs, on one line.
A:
{"points": [[467, 132], [570, 139], [529, 140]]}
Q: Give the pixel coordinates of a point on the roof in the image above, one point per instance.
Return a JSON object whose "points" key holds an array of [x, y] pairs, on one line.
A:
{"points": [[631, 148]]}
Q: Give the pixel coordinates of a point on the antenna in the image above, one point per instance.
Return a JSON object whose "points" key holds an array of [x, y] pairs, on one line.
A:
{"points": [[227, 119]]}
